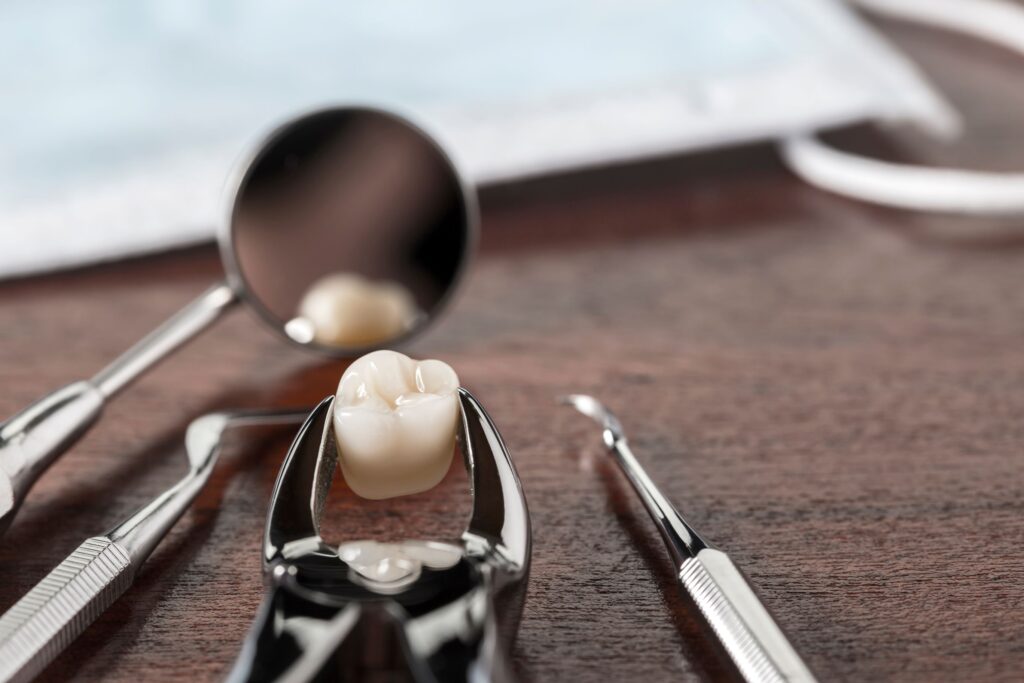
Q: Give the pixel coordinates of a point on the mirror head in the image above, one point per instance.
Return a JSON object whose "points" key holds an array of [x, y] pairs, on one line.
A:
{"points": [[349, 230]]}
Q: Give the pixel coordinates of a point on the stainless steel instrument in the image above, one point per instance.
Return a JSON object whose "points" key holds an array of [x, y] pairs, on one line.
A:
{"points": [[61, 606], [347, 190], [415, 610], [747, 632]]}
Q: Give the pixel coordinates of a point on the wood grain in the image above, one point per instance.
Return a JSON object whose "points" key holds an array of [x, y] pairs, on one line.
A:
{"points": [[831, 392]]}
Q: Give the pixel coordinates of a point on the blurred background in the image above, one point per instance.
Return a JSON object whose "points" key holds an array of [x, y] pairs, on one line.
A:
{"points": [[124, 119]]}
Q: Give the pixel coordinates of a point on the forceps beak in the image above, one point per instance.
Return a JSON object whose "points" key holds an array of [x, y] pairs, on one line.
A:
{"points": [[500, 524], [300, 492], [499, 530]]}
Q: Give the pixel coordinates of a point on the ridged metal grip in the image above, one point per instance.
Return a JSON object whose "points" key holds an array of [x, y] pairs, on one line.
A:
{"points": [[750, 636], [38, 628]]}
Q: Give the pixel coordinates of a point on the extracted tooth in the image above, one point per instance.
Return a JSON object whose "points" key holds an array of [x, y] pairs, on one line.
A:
{"points": [[394, 422], [345, 309]]}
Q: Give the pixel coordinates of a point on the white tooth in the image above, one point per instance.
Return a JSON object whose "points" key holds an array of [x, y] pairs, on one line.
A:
{"points": [[345, 309], [394, 421]]}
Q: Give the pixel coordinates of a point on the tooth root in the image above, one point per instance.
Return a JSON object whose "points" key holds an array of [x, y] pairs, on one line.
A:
{"points": [[394, 422]]}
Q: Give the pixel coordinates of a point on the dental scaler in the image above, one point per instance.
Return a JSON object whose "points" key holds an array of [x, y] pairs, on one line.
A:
{"points": [[741, 624]]}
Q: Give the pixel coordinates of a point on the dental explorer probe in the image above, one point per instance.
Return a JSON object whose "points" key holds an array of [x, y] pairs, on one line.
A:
{"points": [[747, 632]]}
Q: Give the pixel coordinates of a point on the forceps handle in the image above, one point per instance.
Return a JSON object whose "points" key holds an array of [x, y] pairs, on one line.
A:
{"points": [[56, 611]]}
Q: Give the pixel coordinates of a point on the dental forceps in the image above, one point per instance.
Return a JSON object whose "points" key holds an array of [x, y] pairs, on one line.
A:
{"points": [[61, 606], [750, 637], [414, 610]]}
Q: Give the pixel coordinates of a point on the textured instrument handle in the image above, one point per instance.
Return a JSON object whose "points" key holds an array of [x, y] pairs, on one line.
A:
{"points": [[750, 636], [40, 625]]}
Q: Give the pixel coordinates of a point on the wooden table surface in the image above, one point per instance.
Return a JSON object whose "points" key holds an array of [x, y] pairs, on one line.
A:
{"points": [[831, 392]]}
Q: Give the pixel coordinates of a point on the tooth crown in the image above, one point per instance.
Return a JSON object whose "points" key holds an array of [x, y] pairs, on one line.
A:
{"points": [[394, 422]]}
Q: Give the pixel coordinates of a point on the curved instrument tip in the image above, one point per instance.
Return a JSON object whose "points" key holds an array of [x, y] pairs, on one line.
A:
{"points": [[596, 411]]}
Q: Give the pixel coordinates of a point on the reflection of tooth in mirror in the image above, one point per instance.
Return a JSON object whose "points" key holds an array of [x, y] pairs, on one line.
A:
{"points": [[394, 422], [345, 309], [389, 567], [349, 191]]}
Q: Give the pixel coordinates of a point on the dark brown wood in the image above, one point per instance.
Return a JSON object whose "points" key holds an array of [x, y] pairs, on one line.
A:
{"points": [[831, 392]]}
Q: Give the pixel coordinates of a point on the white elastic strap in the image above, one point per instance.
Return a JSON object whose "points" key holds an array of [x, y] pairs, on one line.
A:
{"points": [[916, 187]]}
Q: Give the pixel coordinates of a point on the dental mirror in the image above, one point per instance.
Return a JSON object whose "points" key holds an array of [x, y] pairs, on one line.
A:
{"points": [[348, 230]]}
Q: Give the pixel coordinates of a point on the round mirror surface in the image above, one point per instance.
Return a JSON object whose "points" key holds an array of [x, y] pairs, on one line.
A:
{"points": [[349, 230]]}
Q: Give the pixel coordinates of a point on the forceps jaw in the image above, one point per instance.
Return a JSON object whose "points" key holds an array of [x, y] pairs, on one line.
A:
{"points": [[499, 530], [499, 526], [300, 491]]}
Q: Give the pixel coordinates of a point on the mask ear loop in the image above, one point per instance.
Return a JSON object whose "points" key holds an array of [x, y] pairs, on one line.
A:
{"points": [[917, 187]]}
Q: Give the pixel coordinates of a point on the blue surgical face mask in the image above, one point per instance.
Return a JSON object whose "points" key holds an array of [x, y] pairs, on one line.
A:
{"points": [[130, 113]]}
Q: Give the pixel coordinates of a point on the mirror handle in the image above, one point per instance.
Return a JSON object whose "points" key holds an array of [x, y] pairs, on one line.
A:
{"points": [[158, 344], [31, 440]]}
